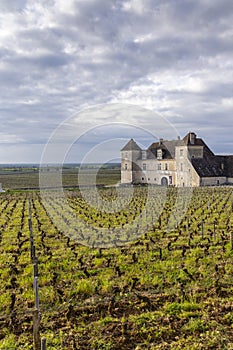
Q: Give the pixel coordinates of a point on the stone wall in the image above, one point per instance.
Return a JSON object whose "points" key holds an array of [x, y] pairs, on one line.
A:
{"points": [[213, 181]]}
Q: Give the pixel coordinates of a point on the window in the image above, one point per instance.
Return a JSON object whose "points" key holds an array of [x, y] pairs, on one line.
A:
{"points": [[181, 152], [181, 167], [165, 166], [126, 155], [143, 155], [144, 166], [142, 178], [159, 166], [159, 154], [170, 180], [126, 166]]}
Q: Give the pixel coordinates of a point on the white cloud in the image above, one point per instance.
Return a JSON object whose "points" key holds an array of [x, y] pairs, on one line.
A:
{"points": [[227, 102], [59, 56], [67, 6], [10, 138], [136, 6]]}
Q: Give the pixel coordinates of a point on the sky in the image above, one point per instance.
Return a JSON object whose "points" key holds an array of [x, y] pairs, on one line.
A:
{"points": [[86, 63]]}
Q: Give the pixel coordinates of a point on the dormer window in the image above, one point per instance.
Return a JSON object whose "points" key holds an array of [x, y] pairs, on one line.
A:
{"points": [[159, 154], [143, 155]]}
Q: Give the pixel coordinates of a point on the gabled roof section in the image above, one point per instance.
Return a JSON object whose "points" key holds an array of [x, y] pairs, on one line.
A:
{"points": [[168, 148], [131, 146], [191, 139]]}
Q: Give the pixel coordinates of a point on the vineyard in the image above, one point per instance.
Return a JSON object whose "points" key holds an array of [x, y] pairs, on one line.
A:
{"points": [[169, 288]]}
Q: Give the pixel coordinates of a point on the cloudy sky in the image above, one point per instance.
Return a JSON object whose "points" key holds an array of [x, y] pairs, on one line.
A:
{"points": [[173, 58]]}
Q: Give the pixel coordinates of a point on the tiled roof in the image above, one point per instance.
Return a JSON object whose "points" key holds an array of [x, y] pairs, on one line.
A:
{"points": [[131, 146], [228, 165], [209, 166], [168, 148]]}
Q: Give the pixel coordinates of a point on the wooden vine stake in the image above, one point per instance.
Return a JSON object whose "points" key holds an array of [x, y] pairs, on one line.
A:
{"points": [[43, 343], [36, 313], [32, 248], [231, 240], [36, 330], [202, 228], [36, 288], [214, 230], [36, 316]]}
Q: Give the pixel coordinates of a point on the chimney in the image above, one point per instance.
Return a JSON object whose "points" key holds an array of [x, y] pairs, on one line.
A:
{"points": [[192, 138], [160, 141]]}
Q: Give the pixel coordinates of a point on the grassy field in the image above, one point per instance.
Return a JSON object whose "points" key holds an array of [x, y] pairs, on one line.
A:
{"points": [[164, 290], [28, 178]]}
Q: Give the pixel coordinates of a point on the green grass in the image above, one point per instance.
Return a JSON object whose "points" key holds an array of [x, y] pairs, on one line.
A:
{"points": [[28, 178], [133, 297]]}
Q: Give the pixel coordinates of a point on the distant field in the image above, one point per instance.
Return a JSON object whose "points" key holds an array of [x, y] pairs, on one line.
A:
{"points": [[28, 178]]}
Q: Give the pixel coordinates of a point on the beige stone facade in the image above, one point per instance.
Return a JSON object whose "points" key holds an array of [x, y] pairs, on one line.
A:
{"points": [[181, 163]]}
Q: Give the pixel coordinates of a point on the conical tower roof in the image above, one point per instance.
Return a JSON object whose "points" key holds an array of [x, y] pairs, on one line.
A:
{"points": [[131, 146]]}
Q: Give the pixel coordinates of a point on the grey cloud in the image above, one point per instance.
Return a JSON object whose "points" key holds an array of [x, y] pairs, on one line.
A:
{"points": [[8, 6], [102, 52], [51, 61]]}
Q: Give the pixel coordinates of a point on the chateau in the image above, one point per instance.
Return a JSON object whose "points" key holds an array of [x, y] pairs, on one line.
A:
{"points": [[182, 162]]}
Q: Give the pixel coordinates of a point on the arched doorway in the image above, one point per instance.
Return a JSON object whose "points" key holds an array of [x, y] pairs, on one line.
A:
{"points": [[164, 181]]}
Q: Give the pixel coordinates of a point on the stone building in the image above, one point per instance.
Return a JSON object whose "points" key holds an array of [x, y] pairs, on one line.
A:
{"points": [[182, 162]]}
